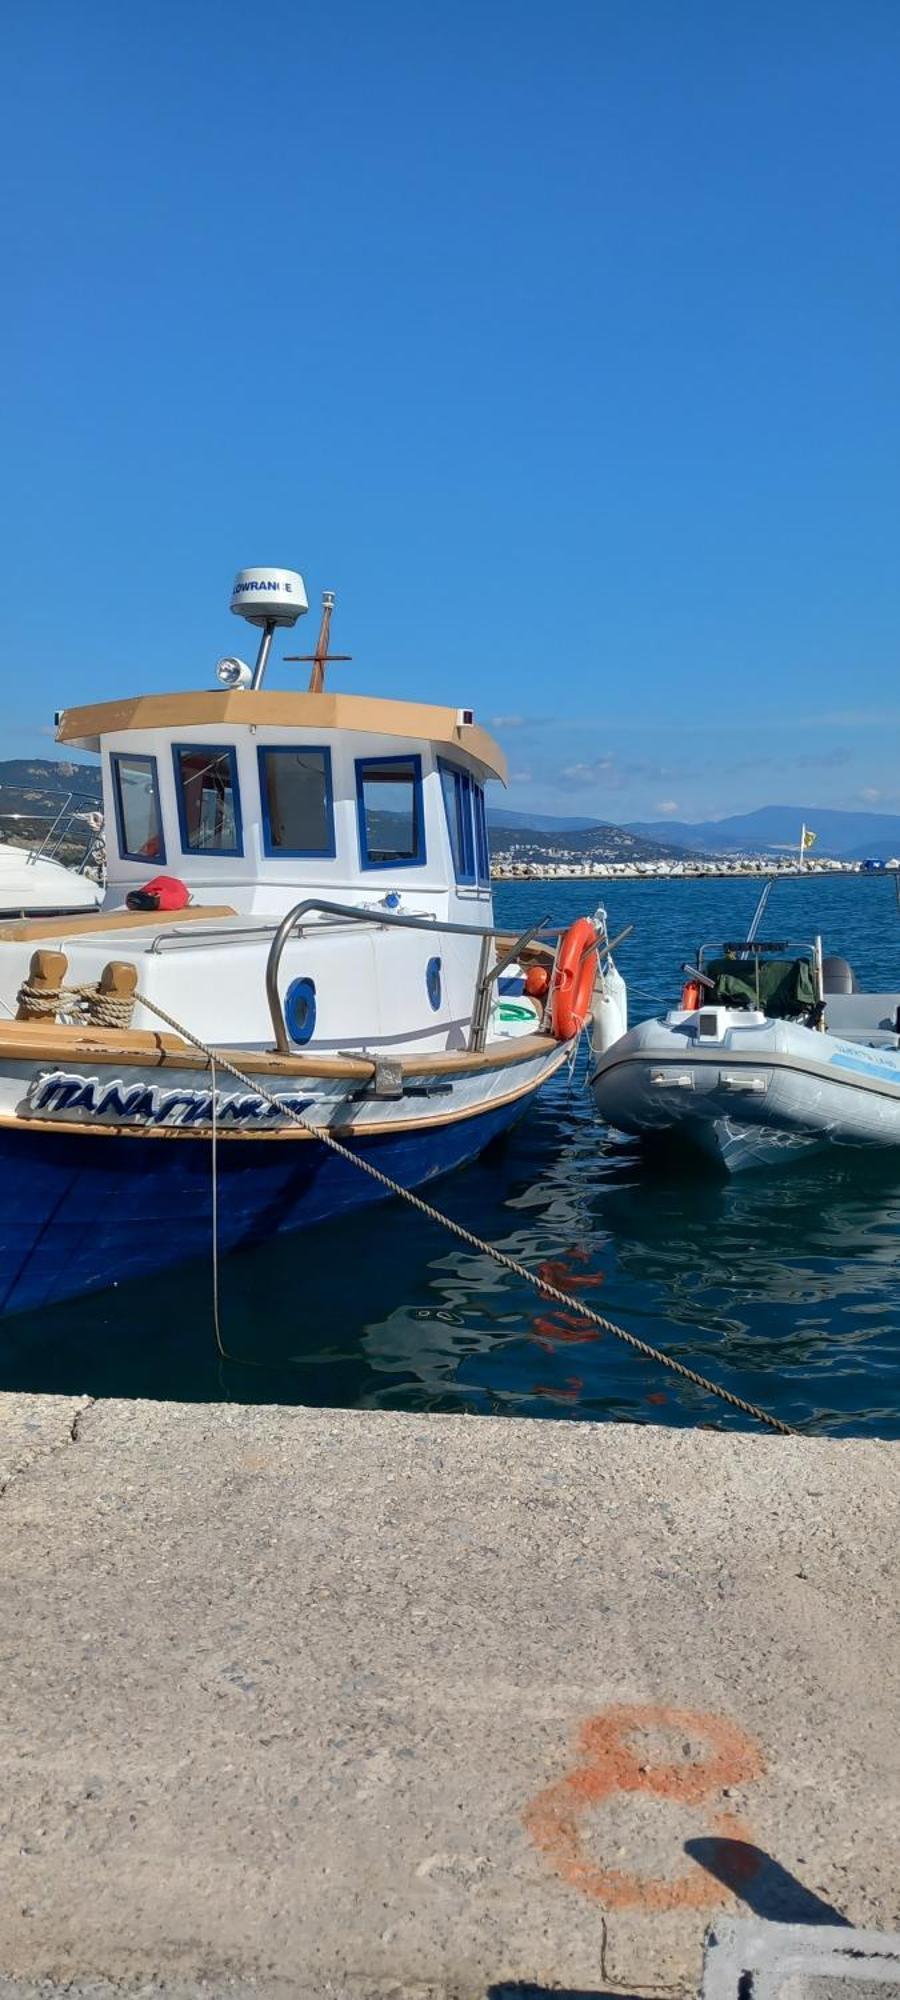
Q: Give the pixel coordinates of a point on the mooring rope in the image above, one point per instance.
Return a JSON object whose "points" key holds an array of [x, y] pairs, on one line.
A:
{"points": [[90, 1002], [215, 1059], [214, 1109]]}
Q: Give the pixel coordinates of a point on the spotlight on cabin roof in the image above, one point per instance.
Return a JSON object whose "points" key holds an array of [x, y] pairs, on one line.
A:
{"points": [[234, 673], [269, 596]]}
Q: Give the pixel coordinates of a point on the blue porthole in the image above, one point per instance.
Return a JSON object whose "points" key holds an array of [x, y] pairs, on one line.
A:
{"points": [[300, 1010], [433, 982]]}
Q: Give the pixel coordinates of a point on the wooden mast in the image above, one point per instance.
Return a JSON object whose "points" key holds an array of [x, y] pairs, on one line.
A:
{"points": [[321, 657]]}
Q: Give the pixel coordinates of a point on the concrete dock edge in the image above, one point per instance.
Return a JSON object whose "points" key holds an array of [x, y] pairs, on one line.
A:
{"points": [[317, 1702]]}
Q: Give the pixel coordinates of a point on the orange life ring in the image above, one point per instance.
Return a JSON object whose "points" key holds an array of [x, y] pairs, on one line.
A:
{"points": [[573, 980], [691, 996]]}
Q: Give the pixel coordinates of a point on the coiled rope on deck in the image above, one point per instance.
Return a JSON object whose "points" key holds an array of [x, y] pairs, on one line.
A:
{"points": [[217, 1060]]}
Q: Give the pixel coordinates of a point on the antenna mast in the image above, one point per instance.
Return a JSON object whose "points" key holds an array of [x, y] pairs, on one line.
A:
{"points": [[321, 658]]}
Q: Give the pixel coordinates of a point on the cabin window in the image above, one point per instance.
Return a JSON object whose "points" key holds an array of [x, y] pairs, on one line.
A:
{"points": [[208, 805], [135, 786], [297, 809], [389, 808], [466, 825], [456, 786]]}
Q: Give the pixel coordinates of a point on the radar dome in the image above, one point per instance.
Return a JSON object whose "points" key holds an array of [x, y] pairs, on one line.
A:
{"points": [[269, 596]]}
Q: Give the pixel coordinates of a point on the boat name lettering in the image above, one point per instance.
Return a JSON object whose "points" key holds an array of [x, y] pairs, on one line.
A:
{"points": [[60, 1094], [874, 1063]]}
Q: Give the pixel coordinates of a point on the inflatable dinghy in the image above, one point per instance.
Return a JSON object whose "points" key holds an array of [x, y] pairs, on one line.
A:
{"points": [[772, 1053]]}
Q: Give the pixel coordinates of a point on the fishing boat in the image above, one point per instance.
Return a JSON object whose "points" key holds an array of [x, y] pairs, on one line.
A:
{"points": [[298, 891], [772, 1053]]}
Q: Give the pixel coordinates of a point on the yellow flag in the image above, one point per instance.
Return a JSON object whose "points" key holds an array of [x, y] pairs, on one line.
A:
{"points": [[809, 839]]}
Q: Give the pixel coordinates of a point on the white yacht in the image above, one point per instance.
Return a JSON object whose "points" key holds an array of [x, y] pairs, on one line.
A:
{"points": [[34, 880]]}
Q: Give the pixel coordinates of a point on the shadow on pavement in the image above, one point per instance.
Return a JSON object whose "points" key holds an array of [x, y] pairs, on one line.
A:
{"points": [[768, 1889]]}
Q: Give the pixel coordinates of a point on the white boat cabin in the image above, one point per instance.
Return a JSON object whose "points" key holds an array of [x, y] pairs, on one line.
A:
{"points": [[252, 797], [256, 800]]}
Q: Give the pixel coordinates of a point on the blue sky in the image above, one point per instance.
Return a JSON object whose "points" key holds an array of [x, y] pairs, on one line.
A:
{"points": [[561, 342]]}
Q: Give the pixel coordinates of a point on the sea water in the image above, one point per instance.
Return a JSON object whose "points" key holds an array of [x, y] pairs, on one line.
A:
{"points": [[782, 1286]]}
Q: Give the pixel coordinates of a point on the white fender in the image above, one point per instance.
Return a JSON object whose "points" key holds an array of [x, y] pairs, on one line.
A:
{"points": [[609, 1020]]}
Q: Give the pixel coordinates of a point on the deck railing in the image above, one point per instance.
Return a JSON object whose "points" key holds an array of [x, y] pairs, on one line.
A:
{"points": [[435, 926]]}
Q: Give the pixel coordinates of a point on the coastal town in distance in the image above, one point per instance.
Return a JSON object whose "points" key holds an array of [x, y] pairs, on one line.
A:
{"points": [[773, 841]]}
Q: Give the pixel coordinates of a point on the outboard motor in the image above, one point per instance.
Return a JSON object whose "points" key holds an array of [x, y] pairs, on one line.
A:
{"points": [[838, 976]]}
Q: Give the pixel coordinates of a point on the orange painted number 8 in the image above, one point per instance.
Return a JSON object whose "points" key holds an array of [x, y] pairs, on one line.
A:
{"points": [[610, 1764]]}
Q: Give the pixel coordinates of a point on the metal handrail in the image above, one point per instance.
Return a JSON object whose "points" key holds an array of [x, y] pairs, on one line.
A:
{"points": [[359, 914], [481, 1008], [64, 810]]}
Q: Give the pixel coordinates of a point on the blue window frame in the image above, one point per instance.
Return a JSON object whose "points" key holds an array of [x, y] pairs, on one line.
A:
{"points": [[135, 790], [297, 796], [466, 826], [209, 802], [389, 811], [482, 844], [456, 786]]}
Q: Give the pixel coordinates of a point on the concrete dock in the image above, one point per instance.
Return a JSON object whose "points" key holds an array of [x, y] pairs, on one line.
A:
{"points": [[319, 1703]]}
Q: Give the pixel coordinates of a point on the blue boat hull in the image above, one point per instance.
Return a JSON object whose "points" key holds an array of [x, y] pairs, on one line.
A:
{"points": [[81, 1212]]}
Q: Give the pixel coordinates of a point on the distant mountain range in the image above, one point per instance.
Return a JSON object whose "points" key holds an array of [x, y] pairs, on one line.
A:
{"points": [[845, 836], [597, 843], [524, 839], [541, 822], [770, 830]]}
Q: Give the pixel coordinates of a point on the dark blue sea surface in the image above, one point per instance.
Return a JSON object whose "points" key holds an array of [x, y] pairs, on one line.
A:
{"points": [[783, 1287]]}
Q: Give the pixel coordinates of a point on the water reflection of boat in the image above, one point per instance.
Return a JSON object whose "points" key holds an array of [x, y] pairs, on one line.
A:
{"points": [[798, 1289]]}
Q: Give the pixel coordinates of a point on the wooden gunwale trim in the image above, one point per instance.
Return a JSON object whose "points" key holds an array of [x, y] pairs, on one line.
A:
{"points": [[10, 1122], [32, 1041], [24, 930]]}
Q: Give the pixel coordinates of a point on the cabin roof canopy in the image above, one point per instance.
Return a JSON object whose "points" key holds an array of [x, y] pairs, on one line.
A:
{"points": [[84, 727]]}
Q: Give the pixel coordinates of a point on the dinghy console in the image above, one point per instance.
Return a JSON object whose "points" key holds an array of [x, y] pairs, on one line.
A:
{"points": [[778, 980]]}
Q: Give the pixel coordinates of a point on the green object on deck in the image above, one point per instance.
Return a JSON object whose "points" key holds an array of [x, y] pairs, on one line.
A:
{"points": [[786, 987]]}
